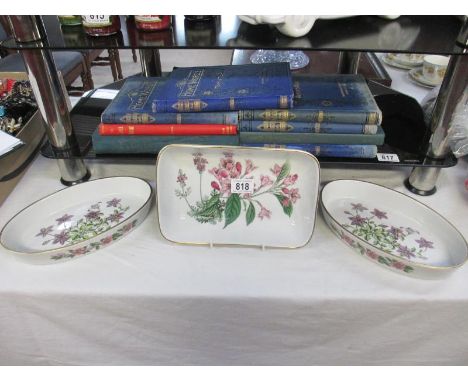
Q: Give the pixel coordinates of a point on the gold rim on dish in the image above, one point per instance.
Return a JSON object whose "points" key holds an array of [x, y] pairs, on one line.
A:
{"points": [[67, 247], [237, 148], [390, 254]]}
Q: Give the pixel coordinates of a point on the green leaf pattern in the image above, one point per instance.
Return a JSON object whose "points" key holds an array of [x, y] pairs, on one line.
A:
{"points": [[70, 229], [223, 206], [233, 209], [250, 214], [95, 245], [370, 254]]}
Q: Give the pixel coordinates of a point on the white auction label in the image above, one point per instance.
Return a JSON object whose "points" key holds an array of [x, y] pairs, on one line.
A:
{"points": [[242, 186], [96, 20], [387, 157], [105, 93]]}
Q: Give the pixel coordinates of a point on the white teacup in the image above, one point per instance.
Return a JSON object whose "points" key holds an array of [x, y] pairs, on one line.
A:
{"points": [[434, 68]]}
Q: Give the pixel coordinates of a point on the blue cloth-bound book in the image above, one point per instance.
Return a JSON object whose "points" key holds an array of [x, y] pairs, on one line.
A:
{"points": [[306, 127], [326, 150], [228, 87], [337, 98], [152, 144], [285, 138], [134, 104]]}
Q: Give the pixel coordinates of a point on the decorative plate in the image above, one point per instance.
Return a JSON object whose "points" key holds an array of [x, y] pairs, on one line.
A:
{"points": [[401, 62], [412, 59], [237, 195], [77, 220], [392, 229], [417, 76]]}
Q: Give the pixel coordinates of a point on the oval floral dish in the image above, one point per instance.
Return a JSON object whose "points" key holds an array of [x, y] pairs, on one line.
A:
{"points": [[392, 229], [77, 220], [237, 195]]}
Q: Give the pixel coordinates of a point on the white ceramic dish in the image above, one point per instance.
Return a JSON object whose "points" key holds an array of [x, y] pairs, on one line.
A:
{"points": [[417, 76], [77, 220], [391, 60], [196, 205], [392, 229]]}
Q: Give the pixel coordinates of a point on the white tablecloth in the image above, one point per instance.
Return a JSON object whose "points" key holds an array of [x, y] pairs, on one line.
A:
{"points": [[146, 301]]}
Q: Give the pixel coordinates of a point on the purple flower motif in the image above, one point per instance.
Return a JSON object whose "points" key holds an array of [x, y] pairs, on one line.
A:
{"points": [[199, 162], [181, 178], [93, 215], [64, 219], [114, 202], [423, 243], [411, 230], [379, 214], [357, 220], [396, 232], [405, 251], [116, 216], [358, 207], [61, 237], [45, 231]]}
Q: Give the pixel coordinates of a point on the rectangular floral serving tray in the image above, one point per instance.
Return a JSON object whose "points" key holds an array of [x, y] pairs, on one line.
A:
{"points": [[237, 195]]}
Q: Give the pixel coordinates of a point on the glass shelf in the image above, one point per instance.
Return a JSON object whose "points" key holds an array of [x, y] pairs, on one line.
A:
{"points": [[420, 34], [86, 116]]}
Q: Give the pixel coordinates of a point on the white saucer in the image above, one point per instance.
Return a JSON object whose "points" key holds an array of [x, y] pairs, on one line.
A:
{"points": [[401, 59], [417, 76], [390, 60]]}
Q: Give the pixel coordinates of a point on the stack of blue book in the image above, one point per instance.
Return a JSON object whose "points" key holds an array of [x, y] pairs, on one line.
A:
{"points": [[329, 115], [333, 115], [193, 95]]}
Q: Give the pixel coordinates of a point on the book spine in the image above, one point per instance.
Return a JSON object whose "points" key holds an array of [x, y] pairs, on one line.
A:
{"points": [[339, 151], [226, 104], [314, 138], [167, 129], [219, 118], [153, 144], [372, 118], [306, 127]]}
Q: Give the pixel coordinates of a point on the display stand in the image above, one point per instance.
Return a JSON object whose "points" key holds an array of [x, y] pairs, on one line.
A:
{"points": [[419, 34]]}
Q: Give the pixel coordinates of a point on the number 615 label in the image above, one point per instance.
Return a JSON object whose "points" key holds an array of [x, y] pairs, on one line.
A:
{"points": [[242, 186]]}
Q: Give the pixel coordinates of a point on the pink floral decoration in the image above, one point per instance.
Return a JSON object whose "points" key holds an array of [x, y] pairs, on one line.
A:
{"points": [[264, 213]]}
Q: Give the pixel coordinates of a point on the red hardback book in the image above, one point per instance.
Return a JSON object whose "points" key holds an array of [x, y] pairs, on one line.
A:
{"points": [[166, 129]]}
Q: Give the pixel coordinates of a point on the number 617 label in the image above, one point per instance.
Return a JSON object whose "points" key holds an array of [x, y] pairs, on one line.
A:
{"points": [[387, 157], [242, 186]]}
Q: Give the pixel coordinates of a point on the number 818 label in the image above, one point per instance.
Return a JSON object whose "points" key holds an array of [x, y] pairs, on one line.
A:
{"points": [[242, 186]]}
